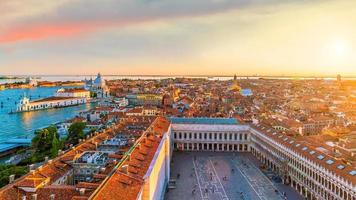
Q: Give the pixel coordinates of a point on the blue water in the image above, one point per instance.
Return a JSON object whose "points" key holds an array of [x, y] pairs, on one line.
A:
{"points": [[24, 124]]}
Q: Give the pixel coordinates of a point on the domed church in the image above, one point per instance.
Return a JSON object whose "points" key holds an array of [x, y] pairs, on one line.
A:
{"points": [[98, 86]]}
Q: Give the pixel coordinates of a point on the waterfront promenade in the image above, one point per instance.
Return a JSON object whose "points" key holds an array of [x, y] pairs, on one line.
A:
{"points": [[24, 124]]}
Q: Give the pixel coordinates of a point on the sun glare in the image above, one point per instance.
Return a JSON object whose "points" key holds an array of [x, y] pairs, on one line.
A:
{"points": [[339, 48]]}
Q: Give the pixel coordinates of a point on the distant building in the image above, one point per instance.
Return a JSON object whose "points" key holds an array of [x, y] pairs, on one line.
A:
{"points": [[145, 99], [47, 103], [72, 92], [97, 86], [31, 82], [235, 85], [338, 78], [121, 102]]}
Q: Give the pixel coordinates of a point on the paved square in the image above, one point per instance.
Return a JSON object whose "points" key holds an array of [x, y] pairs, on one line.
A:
{"points": [[222, 176]]}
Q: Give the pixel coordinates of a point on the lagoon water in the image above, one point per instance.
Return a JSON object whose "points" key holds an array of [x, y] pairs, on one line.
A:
{"points": [[24, 124]]}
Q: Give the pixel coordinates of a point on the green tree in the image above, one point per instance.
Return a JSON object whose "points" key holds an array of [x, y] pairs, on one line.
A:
{"points": [[7, 170], [76, 132], [42, 142], [55, 147]]}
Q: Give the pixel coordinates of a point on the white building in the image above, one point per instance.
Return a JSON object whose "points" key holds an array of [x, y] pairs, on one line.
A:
{"points": [[72, 92], [31, 82], [98, 87], [47, 103], [121, 102]]}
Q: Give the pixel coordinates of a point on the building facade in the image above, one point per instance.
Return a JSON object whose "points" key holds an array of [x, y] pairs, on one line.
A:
{"points": [[145, 99], [72, 92], [52, 102], [97, 86], [311, 172]]}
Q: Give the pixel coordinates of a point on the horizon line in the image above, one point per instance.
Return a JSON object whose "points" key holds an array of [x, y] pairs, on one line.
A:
{"points": [[181, 75]]}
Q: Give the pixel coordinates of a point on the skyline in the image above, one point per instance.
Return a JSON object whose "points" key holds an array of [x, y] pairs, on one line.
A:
{"points": [[216, 37]]}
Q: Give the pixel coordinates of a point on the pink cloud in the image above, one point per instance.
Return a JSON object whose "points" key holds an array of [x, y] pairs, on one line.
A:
{"points": [[39, 32]]}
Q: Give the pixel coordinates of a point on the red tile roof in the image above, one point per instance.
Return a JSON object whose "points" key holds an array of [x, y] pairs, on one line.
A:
{"points": [[127, 180]]}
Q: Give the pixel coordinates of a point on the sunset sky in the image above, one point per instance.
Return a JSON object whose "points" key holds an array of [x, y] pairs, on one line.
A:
{"points": [[183, 37]]}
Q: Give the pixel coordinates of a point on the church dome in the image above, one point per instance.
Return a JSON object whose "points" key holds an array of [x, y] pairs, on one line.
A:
{"points": [[99, 81]]}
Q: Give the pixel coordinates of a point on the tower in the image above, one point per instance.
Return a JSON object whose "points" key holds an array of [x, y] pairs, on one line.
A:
{"points": [[235, 85], [338, 78]]}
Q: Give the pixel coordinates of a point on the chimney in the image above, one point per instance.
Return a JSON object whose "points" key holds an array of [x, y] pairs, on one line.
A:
{"points": [[59, 152], [82, 191], [52, 196], [125, 169], [11, 178], [50, 161], [34, 197], [23, 197], [102, 169], [31, 167], [46, 159]]}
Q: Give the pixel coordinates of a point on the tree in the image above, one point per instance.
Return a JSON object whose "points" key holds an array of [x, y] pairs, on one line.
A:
{"points": [[93, 95], [45, 143], [76, 132], [42, 142], [7, 170], [55, 147]]}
